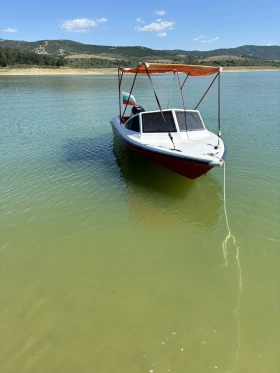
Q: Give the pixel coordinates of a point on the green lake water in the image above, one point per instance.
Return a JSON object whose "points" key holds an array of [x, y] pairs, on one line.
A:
{"points": [[109, 264]]}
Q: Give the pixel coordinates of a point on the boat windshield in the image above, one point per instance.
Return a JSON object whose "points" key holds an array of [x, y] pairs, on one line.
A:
{"points": [[154, 122], [189, 121]]}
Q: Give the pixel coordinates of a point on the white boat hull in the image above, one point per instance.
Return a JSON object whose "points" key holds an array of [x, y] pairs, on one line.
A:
{"points": [[194, 154]]}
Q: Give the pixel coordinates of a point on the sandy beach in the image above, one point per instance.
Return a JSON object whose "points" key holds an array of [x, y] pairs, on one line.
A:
{"points": [[56, 71], [95, 71]]}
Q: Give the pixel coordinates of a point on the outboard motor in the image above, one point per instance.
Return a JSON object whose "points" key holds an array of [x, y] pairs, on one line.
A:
{"points": [[137, 109]]}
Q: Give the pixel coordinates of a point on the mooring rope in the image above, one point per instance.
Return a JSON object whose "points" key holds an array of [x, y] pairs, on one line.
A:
{"points": [[240, 284], [224, 244]]}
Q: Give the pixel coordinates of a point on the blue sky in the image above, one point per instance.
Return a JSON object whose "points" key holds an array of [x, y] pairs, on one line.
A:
{"points": [[174, 24]]}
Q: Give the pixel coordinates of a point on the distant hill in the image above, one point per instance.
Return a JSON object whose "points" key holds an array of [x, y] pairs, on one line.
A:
{"points": [[78, 55], [246, 51], [69, 47]]}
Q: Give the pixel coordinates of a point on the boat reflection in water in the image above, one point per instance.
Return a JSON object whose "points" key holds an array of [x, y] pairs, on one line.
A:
{"points": [[159, 197], [155, 195]]}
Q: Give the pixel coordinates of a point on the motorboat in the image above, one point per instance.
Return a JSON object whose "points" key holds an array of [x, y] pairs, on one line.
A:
{"points": [[175, 138]]}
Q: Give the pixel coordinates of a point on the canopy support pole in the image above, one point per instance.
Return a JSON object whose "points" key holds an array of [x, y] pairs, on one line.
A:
{"points": [[185, 80], [181, 89], [169, 98], [183, 101], [150, 79], [120, 76], [131, 89], [207, 90], [219, 110]]}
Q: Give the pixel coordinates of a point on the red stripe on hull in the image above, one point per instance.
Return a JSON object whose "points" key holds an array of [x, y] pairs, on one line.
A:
{"points": [[184, 167]]}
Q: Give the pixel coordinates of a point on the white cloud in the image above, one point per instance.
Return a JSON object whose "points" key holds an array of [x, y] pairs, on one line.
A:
{"points": [[81, 24], [139, 20], [159, 20], [162, 34], [157, 26], [199, 38], [10, 30], [206, 39], [160, 12], [101, 20]]}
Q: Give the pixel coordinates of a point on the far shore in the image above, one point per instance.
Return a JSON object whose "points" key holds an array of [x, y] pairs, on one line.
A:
{"points": [[105, 71]]}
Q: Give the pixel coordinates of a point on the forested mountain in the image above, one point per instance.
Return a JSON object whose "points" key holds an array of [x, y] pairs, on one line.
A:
{"points": [[77, 55], [69, 47]]}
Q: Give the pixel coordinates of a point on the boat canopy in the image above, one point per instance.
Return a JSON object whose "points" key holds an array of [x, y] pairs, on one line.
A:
{"points": [[161, 68]]}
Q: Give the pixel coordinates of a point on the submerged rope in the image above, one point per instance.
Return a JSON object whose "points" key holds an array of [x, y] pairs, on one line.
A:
{"points": [[240, 284], [224, 244]]}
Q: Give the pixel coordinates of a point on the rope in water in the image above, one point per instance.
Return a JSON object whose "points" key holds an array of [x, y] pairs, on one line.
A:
{"points": [[240, 285], [224, 244], [230, 235]]}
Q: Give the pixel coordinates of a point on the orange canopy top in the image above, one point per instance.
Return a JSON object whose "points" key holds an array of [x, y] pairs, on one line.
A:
{"points": [[161, 68]]}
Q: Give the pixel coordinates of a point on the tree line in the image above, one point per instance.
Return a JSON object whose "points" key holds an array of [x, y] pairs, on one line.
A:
{"points": [[85, 63], [17, 57], [13, 57]]}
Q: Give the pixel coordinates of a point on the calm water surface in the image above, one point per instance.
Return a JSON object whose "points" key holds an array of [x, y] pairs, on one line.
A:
{"points": [[110, 264]]}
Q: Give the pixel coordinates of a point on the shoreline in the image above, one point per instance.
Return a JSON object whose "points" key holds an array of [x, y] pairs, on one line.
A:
{"points": [[56, 71], [104, 71]]}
